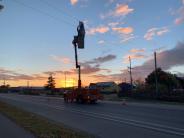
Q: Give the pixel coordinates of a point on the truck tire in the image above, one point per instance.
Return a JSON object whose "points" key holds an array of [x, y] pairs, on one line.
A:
{"points": [[93, 101]]}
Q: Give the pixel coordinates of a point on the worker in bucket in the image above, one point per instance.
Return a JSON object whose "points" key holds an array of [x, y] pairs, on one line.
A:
{"points": [[81, 30], [81, 34]]}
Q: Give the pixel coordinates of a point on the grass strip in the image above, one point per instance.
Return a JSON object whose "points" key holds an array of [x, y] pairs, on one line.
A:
{"points": [[39, 126]]}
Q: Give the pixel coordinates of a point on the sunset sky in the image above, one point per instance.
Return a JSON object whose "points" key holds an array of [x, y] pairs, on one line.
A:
{"points": [[36, 39]]}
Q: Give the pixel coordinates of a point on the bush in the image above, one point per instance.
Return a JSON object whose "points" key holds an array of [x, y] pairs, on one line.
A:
{"points": [[148, 92], [29, 92]]}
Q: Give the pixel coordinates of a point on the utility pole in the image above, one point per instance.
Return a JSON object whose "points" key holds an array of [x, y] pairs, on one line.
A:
{"points": [[27, 84], [156, 82], [4, 83], [65, 79], [130, 71], [73, 82]]}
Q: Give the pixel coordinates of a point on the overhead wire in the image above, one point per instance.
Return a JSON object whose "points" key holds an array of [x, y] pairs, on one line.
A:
{"points": [[67, 14], [47, 14], [59, 9], [44, 13]]}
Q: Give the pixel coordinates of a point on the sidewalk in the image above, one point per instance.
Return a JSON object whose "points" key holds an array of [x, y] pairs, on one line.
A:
{"points": [[9, 129]]}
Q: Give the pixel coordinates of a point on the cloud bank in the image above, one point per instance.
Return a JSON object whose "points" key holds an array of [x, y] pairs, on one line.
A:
{"points": [[165, 59]]}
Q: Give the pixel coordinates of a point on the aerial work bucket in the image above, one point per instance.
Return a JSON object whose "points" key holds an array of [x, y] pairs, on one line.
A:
{"points": [[81, 35]]}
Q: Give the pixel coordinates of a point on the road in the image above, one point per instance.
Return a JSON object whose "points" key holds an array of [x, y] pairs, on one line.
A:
{"points": [[107, 119]]}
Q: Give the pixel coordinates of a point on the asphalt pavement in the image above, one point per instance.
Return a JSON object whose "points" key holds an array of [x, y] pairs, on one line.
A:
{"points": [[107, 119]]}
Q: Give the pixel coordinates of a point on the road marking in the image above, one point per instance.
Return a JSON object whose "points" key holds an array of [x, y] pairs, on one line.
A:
{"points": [[147, 125]]}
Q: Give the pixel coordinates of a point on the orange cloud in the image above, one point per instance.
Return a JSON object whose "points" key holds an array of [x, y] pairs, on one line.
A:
{"points": [[133, 56], [122, 9], [14, 78], [179, 20], [180, 12], [101, 29], [105, 78], [125, 33], [134, 50], [73, 2], [126, 30], [64, 60]]}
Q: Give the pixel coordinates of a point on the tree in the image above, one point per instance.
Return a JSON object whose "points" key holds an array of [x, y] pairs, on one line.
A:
{"points": [[139, 82], [181, 80], [164, 78], [4, 88], [50, 84]]}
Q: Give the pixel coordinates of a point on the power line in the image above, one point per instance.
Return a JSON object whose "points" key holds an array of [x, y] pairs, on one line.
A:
{"points": [[67, 14], [54, 17], [44, 13], [49, 15], [60, 10]]}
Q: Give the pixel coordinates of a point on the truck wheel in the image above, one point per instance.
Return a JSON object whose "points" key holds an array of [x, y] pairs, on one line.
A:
{"points": [[93, 101], [82, 100], [77, 100]]}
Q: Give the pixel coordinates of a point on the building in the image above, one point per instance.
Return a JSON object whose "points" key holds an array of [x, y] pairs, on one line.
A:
{"points": [[125, 89], [105, 87]]}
